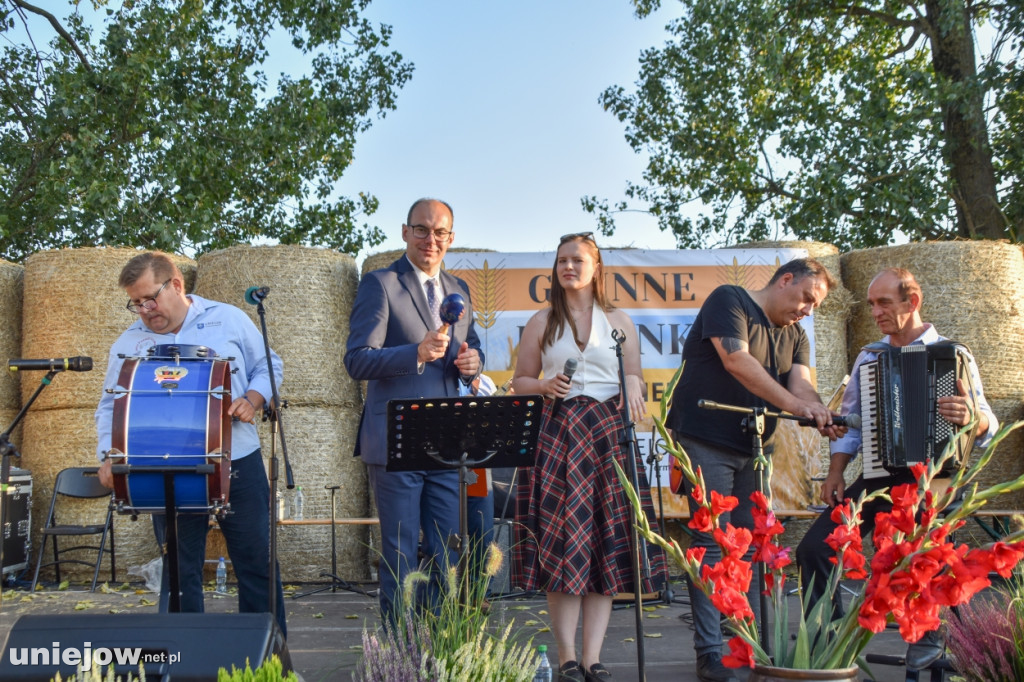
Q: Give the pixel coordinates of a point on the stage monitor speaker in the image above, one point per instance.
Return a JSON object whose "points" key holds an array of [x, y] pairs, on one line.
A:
{"points": [[183, 647]]}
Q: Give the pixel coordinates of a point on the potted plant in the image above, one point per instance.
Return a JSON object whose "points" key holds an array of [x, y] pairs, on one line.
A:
{"points": [[915, 572]]}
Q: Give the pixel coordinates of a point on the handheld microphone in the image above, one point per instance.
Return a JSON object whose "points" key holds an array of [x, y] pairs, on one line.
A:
{"points": [[851, 421], [452, 307], [81, 363], [255, 295], [570, 368]]}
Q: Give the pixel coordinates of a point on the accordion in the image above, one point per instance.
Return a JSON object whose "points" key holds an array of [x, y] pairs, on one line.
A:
{"points": [[899, 390]]}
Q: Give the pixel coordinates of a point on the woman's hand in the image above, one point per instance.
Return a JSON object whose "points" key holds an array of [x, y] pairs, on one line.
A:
{"points": [[635, 393]]}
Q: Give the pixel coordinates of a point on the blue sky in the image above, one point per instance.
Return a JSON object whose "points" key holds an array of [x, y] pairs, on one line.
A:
{"points": [[501, 119]]}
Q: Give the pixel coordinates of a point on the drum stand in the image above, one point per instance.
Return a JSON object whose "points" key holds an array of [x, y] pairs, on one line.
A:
{"points": [[336, 582]]}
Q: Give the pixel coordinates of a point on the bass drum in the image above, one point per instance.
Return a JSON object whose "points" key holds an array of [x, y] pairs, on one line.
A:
{"points": [[170, 410]]}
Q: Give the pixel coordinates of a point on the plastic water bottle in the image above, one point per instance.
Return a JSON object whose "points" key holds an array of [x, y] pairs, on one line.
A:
{"points": [[281, 511], [297, 509], [543, 673], [222, 577]]}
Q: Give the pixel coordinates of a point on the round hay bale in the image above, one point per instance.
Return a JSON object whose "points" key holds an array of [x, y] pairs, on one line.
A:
{"points": [[1008, 461], [12, 277], [49, 331], [973, 293], [377, 261], [55, 440], [308, 309], [320, 444]]}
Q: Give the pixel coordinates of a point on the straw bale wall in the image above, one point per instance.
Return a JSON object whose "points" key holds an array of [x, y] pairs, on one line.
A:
{"points": [[307, 315], [88, 277], [320, 442], [59, 430], [12, 277], [973, 292], [307, 311]]}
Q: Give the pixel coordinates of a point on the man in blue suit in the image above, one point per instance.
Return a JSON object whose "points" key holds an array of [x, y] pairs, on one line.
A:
{"points": [[395, 345]]}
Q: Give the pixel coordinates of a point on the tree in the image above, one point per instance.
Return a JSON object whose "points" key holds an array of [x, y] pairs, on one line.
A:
{"points": [[159, 126], [845, 122]]}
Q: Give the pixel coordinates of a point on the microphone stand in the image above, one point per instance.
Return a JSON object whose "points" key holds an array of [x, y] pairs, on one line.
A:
{"points": [[272, 413], [753, 424], [7, 451], [654, 461], [639, 548]]}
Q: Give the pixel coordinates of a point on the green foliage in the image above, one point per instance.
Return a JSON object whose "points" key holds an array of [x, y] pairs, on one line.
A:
{"points": [[271, 670], [452, 641], [840, 122], [159, 124]]}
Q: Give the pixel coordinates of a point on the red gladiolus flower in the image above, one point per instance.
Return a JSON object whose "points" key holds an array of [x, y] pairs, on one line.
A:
{"points": [[732, 603], [1004, 557], [741, 654], [701, 520], [734, 541], [697, 493], [696, 554], [722, 503]]}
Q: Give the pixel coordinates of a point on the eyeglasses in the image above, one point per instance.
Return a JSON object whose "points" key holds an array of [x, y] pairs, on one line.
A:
{"points": [[576, 235], [422, 232], [147, 304]]}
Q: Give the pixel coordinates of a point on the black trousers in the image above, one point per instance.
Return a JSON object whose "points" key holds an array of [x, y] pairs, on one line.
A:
{"points": [[813, 554]]}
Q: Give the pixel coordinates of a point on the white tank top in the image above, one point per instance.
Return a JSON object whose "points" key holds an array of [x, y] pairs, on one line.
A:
{"points": [[597, 374]]}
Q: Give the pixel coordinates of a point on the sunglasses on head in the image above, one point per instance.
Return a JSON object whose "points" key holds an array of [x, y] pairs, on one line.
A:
{"points": [[576, 235]]}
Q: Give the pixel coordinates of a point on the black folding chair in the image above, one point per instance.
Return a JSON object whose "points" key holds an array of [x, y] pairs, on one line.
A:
{"points": [[82, 483]]}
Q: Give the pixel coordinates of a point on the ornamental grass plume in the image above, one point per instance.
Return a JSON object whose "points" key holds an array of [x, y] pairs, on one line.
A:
{"points": [[915, 572], [450, 642]]}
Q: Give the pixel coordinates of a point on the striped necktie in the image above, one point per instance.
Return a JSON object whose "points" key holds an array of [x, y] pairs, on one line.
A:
{"points": [[434, 301]]}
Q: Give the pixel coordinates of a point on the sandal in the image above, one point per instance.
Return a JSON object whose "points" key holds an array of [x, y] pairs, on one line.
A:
{"points": [[571, 671], [598, 673]]}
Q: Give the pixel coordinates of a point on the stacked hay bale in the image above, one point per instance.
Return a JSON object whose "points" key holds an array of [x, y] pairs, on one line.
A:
{"points": [[73, 306], [973, 293], [801, 454], [12, 277], [307, 313]]}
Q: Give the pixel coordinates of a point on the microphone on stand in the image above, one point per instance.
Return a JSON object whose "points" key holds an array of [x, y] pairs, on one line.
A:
{"points": [[570, 368], [851, 421], [255, 295], [81, 363]]}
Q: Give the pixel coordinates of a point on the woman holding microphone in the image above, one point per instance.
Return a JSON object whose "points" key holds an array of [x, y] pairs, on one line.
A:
{"points": [[573, 520]]}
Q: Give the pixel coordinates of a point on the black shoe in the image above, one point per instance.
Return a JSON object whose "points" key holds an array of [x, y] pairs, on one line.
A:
{"points": [[710, 669], [571, 671], [598, 673], [924, 651]]}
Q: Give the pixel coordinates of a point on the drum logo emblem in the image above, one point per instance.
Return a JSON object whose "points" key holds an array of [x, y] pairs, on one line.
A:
{"points": [[168, 376]]}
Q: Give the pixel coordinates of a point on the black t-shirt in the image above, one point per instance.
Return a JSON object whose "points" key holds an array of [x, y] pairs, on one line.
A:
{"points": [[730, 312]]}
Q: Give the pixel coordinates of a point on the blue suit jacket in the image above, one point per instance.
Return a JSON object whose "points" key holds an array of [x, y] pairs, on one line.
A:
{"points": [[389, 319]]}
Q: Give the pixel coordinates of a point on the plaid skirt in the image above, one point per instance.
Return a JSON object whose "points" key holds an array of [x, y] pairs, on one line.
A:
{"points": [[573, 519]]}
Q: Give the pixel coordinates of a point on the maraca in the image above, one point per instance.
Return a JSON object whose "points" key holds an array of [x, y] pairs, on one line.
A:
{"points": [[452, 308]]}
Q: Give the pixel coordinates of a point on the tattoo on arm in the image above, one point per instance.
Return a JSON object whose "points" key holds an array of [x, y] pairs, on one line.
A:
{"points": [[731, 345]]}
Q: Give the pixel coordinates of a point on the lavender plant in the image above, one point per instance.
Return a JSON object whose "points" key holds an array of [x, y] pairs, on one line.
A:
{"points": [[986, 636]]}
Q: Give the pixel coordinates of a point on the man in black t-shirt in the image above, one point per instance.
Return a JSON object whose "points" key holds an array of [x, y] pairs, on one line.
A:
{"points": [[744, 349]]}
